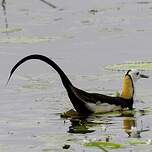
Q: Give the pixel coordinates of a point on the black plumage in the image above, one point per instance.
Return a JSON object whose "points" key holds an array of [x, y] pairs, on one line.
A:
{"points": [[78, 97]]}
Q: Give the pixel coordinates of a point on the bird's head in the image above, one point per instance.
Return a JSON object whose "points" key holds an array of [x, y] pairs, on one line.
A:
{"points": [[129, 80], [135, 75]]}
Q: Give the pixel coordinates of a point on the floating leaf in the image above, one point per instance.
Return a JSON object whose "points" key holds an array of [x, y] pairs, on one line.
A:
{"points": [[146, 110], [11, 30], [24, 40], [81, 129], [110, 114], [69, 113], [141, 65], [136, 142], [102, 144], [79, 126], [128, 113]]}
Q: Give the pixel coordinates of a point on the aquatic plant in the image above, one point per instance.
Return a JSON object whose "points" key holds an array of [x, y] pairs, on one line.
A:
{"points": [[140, 65], [102, 145]]}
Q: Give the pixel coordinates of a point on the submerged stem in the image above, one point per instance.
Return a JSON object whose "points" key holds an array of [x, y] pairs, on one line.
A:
{"points": [[49, 4]]}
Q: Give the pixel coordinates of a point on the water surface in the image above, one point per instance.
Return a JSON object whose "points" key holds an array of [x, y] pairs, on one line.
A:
{"points": [[83, 38]]}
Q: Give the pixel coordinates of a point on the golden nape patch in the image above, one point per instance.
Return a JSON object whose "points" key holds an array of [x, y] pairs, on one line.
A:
{"points": [[127, 88]]}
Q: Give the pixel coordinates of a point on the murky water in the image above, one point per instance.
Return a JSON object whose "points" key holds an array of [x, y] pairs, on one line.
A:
{"points": [[84, 38]]}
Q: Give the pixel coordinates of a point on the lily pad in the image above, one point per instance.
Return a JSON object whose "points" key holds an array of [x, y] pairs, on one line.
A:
{"points": [[102, 144], [141, 65]]}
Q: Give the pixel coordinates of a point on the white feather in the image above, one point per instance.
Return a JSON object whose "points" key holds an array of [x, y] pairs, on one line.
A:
{"points": [[102, 107]]}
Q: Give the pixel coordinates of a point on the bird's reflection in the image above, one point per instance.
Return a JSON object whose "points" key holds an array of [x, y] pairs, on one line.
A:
{"points": [[128, 124], [131, 127], [83, 124], [79, 125]]}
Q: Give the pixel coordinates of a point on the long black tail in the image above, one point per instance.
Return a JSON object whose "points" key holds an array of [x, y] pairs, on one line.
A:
{"points": [[66, 82]]}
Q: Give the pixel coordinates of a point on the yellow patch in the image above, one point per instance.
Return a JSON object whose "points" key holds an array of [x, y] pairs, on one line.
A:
{"points": [[127, 88]]}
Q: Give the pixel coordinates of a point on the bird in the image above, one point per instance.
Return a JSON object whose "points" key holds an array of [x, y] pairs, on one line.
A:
{"points": [[87, 103]]}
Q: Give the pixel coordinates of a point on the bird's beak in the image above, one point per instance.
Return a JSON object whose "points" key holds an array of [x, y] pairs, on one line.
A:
{"points": [[144, 76]]}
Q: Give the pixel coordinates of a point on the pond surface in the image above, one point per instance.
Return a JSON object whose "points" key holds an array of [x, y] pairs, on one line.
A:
{"points": [[94, 42]]}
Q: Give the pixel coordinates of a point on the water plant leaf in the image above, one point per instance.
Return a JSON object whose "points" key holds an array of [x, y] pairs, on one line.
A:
{"points": [[128, 113], [24, 40], [79, 126], [136, 142], [69, 113], [140, 65], [102, 144], [80, 129], [110, 114], [11, 30], [146, 110]]}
